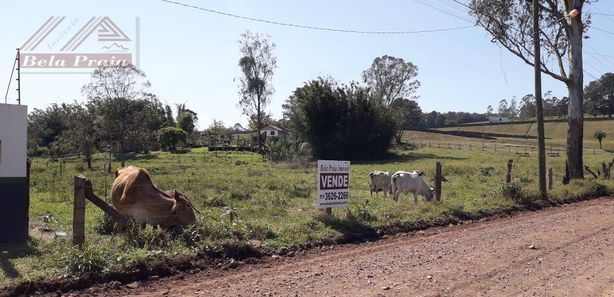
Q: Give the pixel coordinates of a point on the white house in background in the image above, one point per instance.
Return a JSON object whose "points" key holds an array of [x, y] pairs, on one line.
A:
{"points": [[271, 131], [495, 119]]}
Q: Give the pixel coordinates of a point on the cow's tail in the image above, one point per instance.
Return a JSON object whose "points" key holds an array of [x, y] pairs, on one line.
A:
{"points": [[394, 187]]}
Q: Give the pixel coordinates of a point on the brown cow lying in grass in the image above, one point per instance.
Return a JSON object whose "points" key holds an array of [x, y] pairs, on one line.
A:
{"points": [[134, 195]]}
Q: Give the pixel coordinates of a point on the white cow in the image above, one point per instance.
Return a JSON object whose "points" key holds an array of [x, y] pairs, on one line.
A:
{"points": [[380, 181], [406, 182]]}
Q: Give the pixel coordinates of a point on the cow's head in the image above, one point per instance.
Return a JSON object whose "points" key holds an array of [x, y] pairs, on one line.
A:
{"points": [[183, 211], [431, 194]]}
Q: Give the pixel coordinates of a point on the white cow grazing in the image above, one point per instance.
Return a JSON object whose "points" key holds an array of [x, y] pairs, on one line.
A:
{"points": [[406, 182], [380, 181]]}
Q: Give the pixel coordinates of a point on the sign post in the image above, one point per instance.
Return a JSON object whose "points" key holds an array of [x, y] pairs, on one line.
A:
{"points": [[333, 184]]}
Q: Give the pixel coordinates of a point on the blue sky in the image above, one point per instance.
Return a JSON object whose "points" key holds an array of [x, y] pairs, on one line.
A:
{"points": [[191, 56]]}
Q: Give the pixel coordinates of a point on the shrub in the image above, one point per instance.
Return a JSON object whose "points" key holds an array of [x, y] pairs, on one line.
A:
{"points": [[487, 171], [362, 211], [340, 122], [514, 192], [300, 190], [147, 237], [105, 225], [215, 202], [90, 259], [171, 137], [281, 149], [240, 196], [259, 231]]}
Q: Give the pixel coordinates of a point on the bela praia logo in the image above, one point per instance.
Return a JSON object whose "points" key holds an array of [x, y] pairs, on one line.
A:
{"points": [[63, 43]]}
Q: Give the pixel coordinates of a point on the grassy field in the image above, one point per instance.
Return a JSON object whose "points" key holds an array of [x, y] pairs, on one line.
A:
{"points": [[556, 132], [243, 197]]}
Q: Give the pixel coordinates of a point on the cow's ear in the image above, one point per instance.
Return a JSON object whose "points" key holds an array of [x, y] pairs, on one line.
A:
{"points": [[116, 173], [173, 193]]}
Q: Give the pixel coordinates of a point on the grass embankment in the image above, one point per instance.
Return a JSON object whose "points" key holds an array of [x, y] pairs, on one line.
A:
{"points": [[243, 197], [556, 132]]}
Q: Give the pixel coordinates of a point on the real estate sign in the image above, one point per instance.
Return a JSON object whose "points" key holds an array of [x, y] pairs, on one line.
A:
{"points": [[333, 183]]}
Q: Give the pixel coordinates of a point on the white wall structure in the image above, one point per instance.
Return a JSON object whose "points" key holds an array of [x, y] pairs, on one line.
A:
{"points": [[271, 131], [498, 119], [13, 140], [14, 181]]}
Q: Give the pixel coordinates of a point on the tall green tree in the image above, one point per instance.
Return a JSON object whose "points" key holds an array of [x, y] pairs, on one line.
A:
{"points": [[80, 134], [527, 107], [390, 78], [407, 113], [510, 24], [340, 122], [45, 125], [111, 92], [600, 95], [171, 137], [257, 65]]}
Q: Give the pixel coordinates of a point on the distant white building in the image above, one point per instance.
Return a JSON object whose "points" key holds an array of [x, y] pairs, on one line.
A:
{"points": [[495, 119], [271, 131]]}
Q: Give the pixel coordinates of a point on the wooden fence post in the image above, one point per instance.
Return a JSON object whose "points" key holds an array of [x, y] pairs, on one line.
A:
{"points": [[495, 147], [78, 219], [549, 178], [508, 177], [470, 147], [438, 181]]}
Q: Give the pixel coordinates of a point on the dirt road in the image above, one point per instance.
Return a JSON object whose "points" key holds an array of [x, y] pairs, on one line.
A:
{"points": [[563, 251]]}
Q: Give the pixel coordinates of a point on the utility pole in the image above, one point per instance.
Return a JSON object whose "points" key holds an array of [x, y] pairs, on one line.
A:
{"points": [[539, 113], [18, 77]]}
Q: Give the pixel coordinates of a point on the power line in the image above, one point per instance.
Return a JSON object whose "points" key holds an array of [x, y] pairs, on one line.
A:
{"points": [[313, 27], [595, 53], [444, 11], [461, 3], [602, 30], [605, 14], [604, 55]]}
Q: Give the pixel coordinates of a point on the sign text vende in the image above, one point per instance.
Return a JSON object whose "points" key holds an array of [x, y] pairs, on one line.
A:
{"points": [[333, 183]]}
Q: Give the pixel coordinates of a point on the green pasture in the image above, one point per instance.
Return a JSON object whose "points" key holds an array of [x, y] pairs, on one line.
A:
{"points": [[243, 197]]}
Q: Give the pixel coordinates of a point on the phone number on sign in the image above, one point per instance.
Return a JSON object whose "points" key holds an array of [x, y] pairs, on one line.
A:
{"points": [[334, 196]]}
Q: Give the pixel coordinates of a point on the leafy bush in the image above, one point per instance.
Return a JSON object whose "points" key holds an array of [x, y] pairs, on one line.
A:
{"points": [[171, 137], [362, 211], [215, 202], [90, 259], [147, 237], [514, 192], [340, 122], [240, 196], [281, 149], [258, 231], [300, 190], [487, 171], [105, 225]]}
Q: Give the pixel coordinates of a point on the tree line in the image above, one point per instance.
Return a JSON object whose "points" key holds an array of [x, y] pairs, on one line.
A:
{"points": [[120, 115]]}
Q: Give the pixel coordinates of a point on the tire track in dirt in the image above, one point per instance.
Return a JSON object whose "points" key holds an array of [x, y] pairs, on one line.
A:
{"points": [[562, 251]]}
